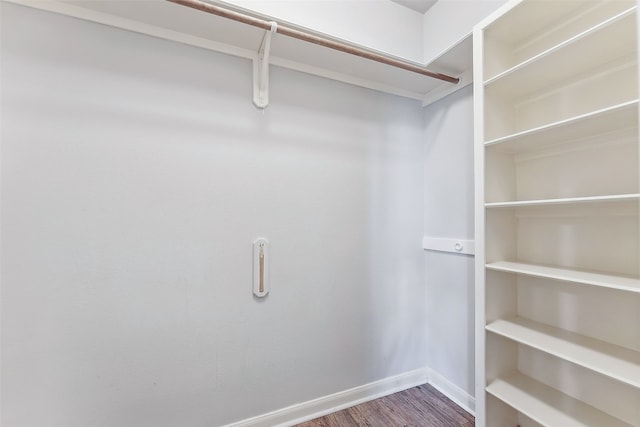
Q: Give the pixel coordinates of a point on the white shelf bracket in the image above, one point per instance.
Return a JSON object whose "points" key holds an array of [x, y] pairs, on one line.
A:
{"points": [[261, 70]]}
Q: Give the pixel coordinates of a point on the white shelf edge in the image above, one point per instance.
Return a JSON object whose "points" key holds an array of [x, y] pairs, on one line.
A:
{"points": [[547, 405], [566, 201], [565, 122], [619, 363], [567, 43], [609, 281]]}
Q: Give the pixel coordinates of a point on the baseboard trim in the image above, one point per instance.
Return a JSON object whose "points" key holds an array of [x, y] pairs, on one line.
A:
{"points": [[452, 391], [311, 409]]}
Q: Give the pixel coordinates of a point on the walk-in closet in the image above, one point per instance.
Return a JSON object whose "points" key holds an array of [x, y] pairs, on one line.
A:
{"points": [[319, 213]]}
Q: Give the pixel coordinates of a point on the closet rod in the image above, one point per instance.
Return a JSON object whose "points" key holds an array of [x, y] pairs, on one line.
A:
{"points": [[301, 35]]}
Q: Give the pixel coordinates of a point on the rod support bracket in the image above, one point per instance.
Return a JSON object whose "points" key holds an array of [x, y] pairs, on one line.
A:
{"points": [[261, 69]]}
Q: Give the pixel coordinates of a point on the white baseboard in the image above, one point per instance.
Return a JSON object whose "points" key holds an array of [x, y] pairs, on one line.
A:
{"points": [[311, 409], [452, 391]]}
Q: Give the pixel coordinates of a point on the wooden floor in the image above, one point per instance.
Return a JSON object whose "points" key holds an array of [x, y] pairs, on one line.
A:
{"points": [[421, 406]]}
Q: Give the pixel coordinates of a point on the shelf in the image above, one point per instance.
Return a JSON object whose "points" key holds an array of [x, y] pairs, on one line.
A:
{"points": [[604, 208], [585, 51], [531, 28], [603, 121], [525, 22], [619, 363], [557, 121], [547, 405], [170, 21], [622, 283], [566, 201]]}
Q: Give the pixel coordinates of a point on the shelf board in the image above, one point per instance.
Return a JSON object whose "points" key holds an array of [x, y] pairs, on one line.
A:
{"points": [[586, 51], [574, 207], [623, 283], [565, 201], [602, 121], [526, 20], [173, 22], [619, 363], [547, 405]]}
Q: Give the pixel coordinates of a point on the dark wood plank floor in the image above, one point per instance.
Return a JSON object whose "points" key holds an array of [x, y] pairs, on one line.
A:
{"points": [[421, 406]]}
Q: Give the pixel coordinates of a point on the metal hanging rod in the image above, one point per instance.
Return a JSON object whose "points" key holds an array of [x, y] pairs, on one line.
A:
{"points": [[311, 38]]}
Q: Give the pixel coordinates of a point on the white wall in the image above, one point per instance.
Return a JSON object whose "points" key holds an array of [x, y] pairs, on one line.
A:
{"points": [[377, 24], [448, 213], [135, 175], [449, 21]]}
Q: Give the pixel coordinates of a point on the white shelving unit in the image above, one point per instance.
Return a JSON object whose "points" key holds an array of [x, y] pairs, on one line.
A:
{"points": [[557, 215]]}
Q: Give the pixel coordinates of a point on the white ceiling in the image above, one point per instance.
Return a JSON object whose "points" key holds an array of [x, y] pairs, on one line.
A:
{"points": [[418, 5]]}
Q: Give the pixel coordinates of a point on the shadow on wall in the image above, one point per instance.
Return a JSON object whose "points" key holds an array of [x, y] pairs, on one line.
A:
{"points": [[448, 213]]}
